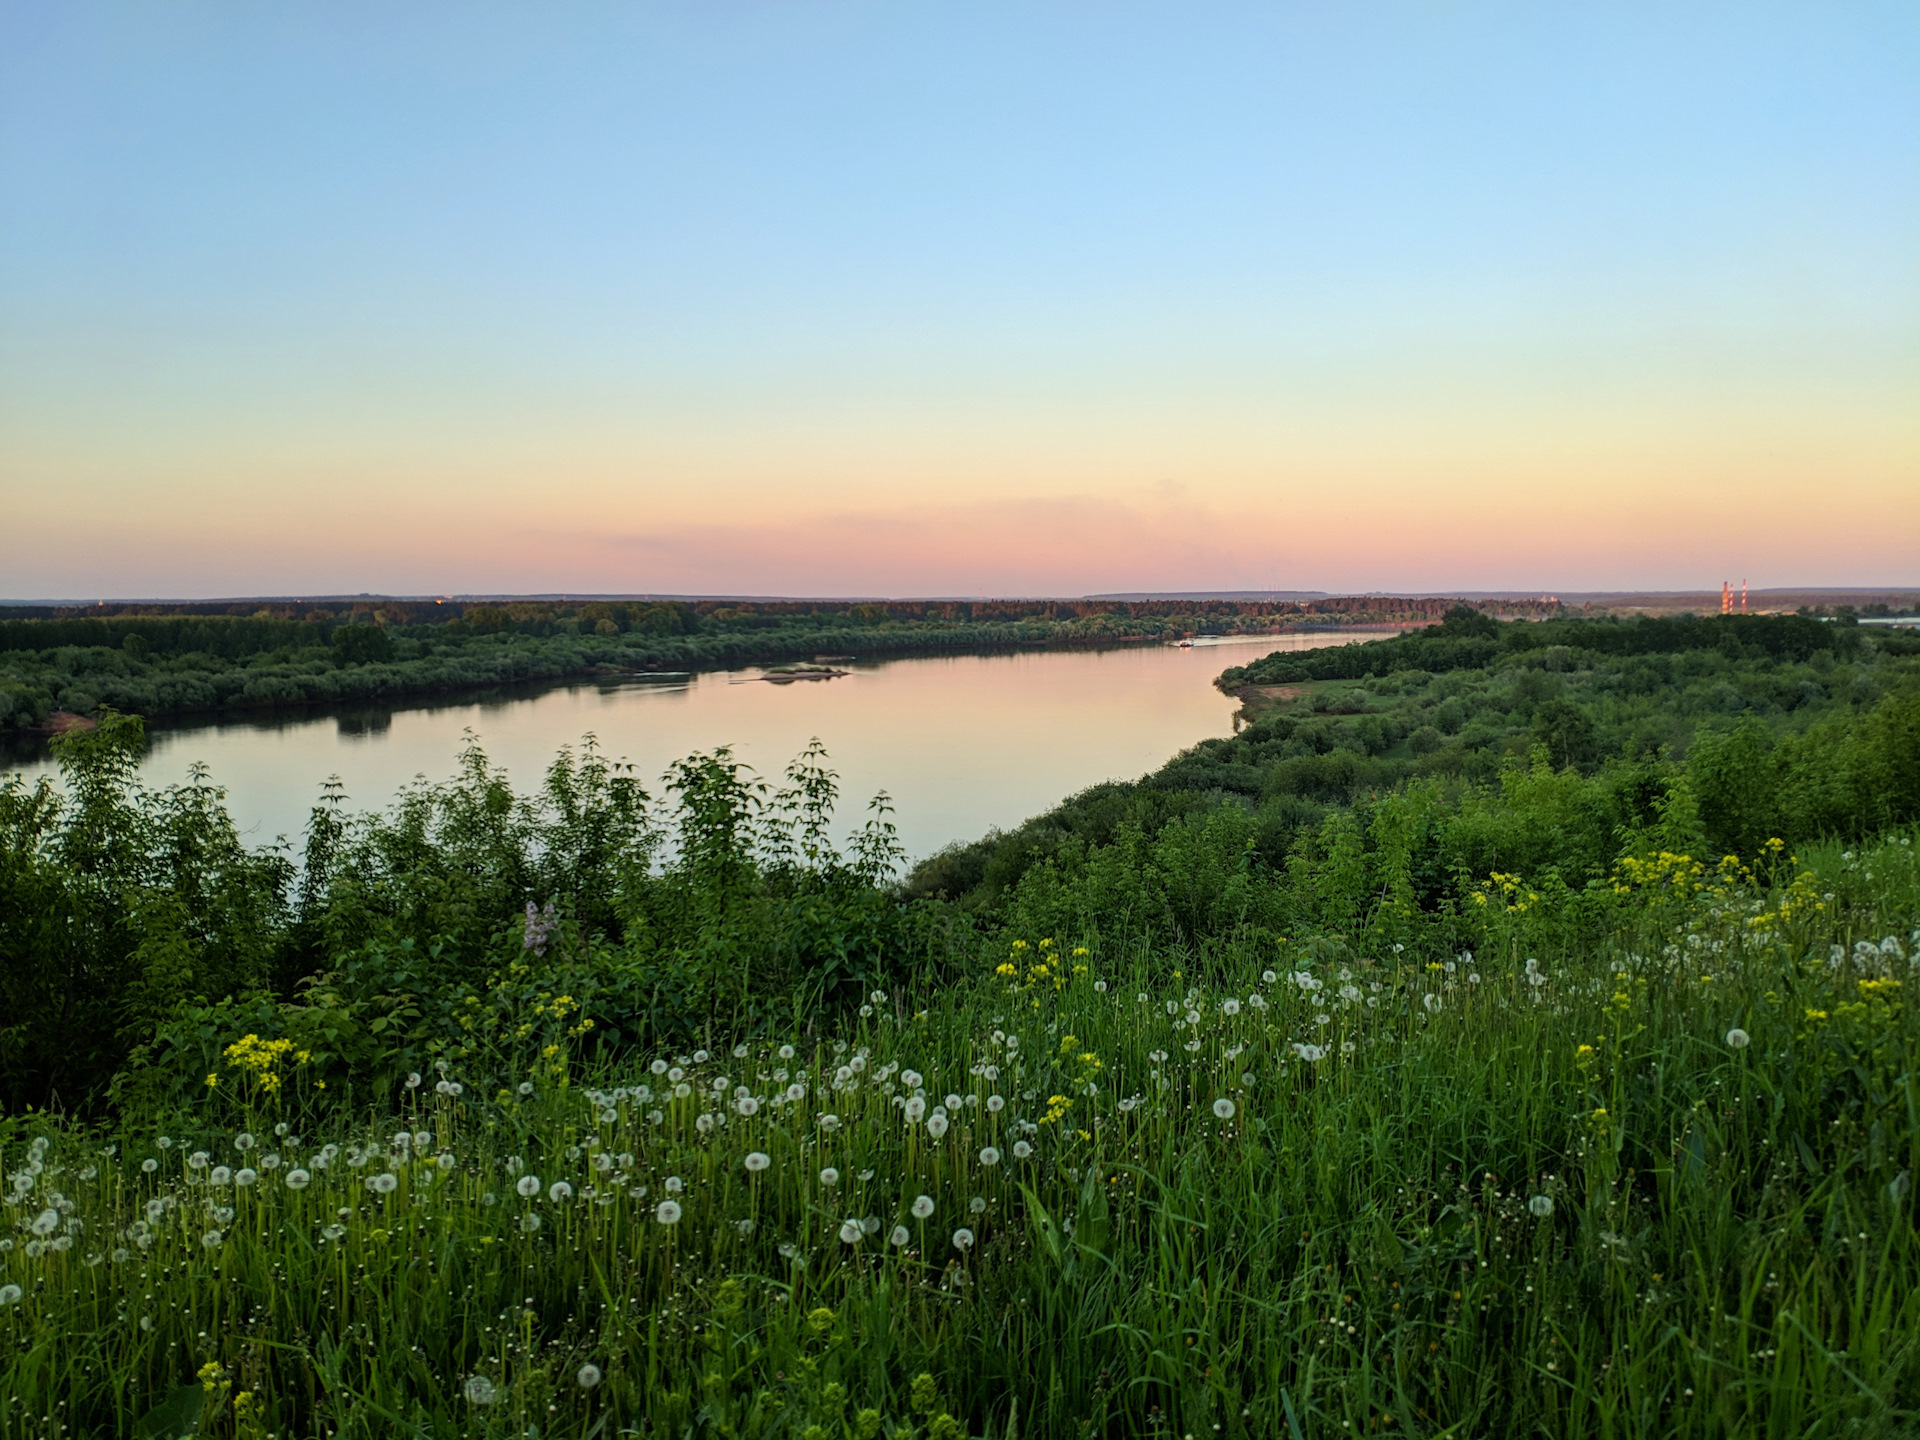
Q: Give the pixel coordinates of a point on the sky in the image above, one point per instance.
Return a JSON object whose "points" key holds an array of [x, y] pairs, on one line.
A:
{"points": [[903, 299]]}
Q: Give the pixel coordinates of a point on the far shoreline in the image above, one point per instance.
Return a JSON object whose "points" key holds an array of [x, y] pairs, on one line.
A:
{"points": [[22, 745]]}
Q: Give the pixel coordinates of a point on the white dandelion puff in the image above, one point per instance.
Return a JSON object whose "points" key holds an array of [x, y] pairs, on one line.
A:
{"points": [[757, 1161], [923, 1207], [1223, 1108], [667, 1212], [963, 1239]]}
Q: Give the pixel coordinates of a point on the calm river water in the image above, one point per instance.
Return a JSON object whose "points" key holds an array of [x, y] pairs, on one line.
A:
{"points": [[962, 743]]}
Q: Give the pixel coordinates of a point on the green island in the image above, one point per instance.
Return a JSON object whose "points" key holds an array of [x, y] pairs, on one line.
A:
{"points": [[58, 664], [1505, 1033]]}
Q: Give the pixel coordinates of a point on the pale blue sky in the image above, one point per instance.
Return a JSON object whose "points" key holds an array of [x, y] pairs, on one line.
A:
{"points": [[1004, 297]]}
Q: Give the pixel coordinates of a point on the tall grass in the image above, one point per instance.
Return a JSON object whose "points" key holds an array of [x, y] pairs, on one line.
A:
{"points": [[1663, 1187]]}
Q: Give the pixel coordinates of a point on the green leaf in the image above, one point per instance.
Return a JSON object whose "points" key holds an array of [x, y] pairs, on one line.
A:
{"points": [[1092, 1226], [1043, 1224], [177, 1415]]}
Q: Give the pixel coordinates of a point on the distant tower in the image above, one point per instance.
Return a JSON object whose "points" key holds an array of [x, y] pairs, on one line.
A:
{"points": [[1726, 597], [1743, 594]]}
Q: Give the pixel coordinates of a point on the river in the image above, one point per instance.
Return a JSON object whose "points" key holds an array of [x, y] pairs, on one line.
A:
{"points": [[962, 743]]}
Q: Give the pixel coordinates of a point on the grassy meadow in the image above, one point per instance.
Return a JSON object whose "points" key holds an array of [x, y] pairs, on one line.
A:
{"points": [[590, 1113]]}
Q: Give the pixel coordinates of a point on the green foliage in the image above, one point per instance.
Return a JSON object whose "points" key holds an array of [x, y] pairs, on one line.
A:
{"points": [[361, 645], [140, 937], [1548, 755], [118, 904], [1331, 1080], [1662, 1185], [1468, 640]]}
